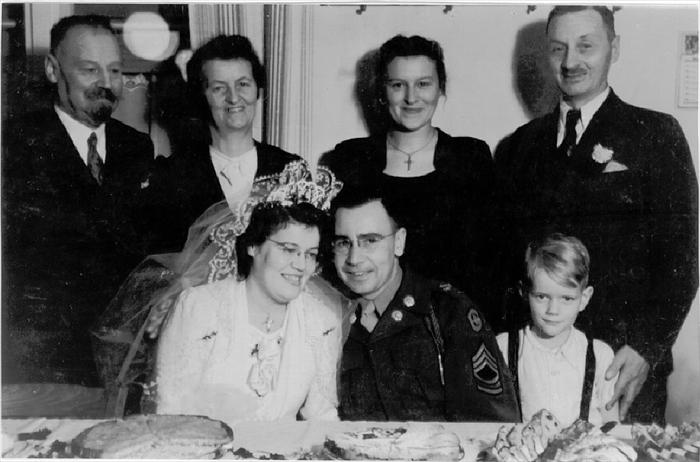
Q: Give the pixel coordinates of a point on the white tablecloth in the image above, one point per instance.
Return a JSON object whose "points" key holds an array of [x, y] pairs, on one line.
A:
{"points": [[269, 437]]}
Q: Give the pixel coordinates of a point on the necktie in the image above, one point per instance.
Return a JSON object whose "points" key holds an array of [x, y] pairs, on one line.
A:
{"points": [[370, 317], [569, 142], [94, 161]]}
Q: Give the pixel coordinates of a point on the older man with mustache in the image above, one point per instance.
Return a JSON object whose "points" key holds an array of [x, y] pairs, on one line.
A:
{"points": [[75, 184], [621, 179]]}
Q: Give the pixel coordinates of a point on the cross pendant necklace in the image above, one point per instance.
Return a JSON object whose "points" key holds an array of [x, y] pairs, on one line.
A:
{"points": [[409, 155]]}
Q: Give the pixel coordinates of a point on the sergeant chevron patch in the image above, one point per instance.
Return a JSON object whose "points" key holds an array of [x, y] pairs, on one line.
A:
{"points": [[485, 371]]}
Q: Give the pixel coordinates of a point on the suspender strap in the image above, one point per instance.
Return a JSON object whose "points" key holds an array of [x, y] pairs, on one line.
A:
{"points": [[588, 379], [513, 349]]}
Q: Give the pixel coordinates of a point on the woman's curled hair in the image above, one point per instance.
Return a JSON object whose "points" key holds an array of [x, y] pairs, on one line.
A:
{"points": [[415, 45]]}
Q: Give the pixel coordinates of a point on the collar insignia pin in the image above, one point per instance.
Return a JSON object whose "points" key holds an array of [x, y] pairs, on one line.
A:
{"points": [[409, 301], [353, 318], [397, 315]]}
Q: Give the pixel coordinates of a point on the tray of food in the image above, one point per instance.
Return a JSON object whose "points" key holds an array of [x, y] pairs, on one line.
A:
{"points": [[430, 442], [669, 443], [135, 437], [543, 439]]}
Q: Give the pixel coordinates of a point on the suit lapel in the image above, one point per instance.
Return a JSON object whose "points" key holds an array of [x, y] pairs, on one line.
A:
{"points": [[442, 151], [269, 162], [67, 166], [210, 176], [376, 154], [545, 158], [203, 175], [607, 129]]}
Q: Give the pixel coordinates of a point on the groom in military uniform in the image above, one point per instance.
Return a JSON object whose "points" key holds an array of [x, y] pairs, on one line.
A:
{"points": [[416, 349]]}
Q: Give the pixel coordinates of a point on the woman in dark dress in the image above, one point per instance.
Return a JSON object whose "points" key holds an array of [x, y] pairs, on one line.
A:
{"points": [[441, 185], [226, 79]]}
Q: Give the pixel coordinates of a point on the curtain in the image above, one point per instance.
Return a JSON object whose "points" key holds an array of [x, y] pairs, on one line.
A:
{"points": [[289, 53]]}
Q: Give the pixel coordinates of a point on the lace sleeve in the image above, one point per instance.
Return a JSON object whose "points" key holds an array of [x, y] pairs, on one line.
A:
{"points": [[326, 342], [180, 357]]}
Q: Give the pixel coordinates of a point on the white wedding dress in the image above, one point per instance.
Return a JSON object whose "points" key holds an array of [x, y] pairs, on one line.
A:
{"points": [[205, 355]]}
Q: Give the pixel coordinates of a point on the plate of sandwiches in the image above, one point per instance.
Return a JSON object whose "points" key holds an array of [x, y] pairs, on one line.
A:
{"points": [[427, 442], [543, 439]]}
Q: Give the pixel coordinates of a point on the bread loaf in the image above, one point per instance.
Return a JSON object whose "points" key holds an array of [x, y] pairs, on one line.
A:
{"points": [[153, 437]]}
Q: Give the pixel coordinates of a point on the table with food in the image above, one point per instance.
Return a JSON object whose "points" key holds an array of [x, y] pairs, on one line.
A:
{"points": [[187, 437]]}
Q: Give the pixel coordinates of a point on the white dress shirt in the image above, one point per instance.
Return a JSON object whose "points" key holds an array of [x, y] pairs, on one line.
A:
{"points": [[553, 379], [588, 110], [235, 174], [80, 133]]}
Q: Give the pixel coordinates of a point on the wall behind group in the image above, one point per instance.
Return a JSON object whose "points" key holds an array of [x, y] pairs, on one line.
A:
{"points": [[486, 49]]}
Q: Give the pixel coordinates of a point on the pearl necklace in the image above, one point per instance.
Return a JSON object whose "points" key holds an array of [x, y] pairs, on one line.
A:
{"points": [[409, 155], [268, 323]]}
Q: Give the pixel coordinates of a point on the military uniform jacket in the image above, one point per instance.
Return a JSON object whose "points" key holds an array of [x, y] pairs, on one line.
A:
{"points": [[638, 218], [395, 372]]}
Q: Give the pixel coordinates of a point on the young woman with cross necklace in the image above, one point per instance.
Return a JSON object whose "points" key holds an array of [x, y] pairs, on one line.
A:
{"points": [[441, 185]]}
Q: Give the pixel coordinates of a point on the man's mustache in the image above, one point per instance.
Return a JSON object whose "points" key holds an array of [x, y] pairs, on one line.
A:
{"points": [[568, 71], [101, 93]]}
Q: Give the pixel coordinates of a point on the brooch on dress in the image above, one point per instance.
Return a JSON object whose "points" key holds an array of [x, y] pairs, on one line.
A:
{"points": [[263, 374]]}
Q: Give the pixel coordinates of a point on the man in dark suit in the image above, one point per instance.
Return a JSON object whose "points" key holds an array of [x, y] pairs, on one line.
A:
{"points": [[620, 178], [74, 205]]}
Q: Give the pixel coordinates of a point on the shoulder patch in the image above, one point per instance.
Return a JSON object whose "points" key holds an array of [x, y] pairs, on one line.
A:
{"points": [[475, 320]]}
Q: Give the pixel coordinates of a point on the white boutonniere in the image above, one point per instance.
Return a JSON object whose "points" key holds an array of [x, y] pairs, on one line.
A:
{"points": [[601, 154], [604, 156]]}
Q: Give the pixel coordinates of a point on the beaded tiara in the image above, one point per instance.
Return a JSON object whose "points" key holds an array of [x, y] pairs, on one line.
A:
{"points": [[294, 185]]}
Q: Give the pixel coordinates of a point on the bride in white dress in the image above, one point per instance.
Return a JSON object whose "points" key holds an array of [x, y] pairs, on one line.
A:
{"points": [[257, 347]]}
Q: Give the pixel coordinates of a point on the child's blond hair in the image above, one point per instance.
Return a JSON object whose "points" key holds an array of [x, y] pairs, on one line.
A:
{"points": [[564, 258]]}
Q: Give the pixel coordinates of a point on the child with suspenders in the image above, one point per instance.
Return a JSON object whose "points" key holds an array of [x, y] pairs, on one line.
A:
{"points": [[555, 365]]}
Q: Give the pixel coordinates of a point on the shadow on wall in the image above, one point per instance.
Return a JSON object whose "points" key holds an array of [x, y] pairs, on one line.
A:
{"points": [[175, 109], [532, 80], [533, 83], [367, 96]]}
